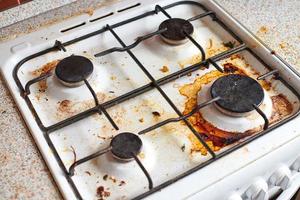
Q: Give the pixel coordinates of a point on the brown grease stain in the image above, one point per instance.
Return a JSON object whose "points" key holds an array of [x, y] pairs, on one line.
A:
{"points": [[215, 137], [49, 67]]}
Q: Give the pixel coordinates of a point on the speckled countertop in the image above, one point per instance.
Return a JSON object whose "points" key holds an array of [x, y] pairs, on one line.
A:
{"points": [[23, 173], [36, 7]]}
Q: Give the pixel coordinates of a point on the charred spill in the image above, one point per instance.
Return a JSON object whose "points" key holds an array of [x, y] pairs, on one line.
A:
{"points": [[215, 137]]}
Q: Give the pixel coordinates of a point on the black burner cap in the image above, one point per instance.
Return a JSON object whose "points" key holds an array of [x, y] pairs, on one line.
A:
{"points": [[126, 144], [74, 69], [238, 93], [176, 28]]}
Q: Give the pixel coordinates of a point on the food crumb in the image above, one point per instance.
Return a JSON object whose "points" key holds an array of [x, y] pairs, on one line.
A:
{"points": [[105, 177], [229, 68], [282, 45], [122, 183], [113, 179], [89, 173], [141, 120], [183, 148], [102, 193], [210, 43], [156, 114], [74, 153], [229, 44], [47, 68], [141, 155], [64, 105], [164, 69], [89, 11], [263, 29]]}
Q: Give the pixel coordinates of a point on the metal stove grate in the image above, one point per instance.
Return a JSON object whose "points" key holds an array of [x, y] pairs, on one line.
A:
{"points": [[101, 108]]}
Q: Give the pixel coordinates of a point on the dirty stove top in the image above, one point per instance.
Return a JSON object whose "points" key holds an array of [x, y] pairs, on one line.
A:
{"points": [[126, 104]]}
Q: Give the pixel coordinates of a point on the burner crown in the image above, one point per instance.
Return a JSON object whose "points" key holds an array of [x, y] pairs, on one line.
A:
{"points": [[238, 93], [176, 30], [72, 70], [125, 145]]}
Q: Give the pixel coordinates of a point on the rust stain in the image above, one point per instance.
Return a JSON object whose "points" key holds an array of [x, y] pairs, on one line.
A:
{"points": [[48, 67], [282, 106], [45, 68], [67, 108]]}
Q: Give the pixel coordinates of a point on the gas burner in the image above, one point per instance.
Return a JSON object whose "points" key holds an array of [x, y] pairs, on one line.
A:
{"points": [[238, 94], [125, 146], [176, 30], [73, 70]]}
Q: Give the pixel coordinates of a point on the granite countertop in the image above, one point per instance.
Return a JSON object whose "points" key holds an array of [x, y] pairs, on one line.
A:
{"points": [[23, 173]]}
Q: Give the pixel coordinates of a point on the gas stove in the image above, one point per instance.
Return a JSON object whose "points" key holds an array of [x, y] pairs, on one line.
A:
{"points": [[158, 100]]}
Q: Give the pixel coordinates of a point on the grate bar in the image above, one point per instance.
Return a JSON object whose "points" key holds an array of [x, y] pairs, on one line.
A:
{"points": [[162, 123], [216, 65], [202, 15], [87, 158], [61, 46], [203, 57], [35, 80], [103, 151], [147, 36], [137, 160], [232, 51], [140, 90], [61, 164], [101, 108], [138, 41], [158, 8], [262, 114], [163, 93], [270, 73]]}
